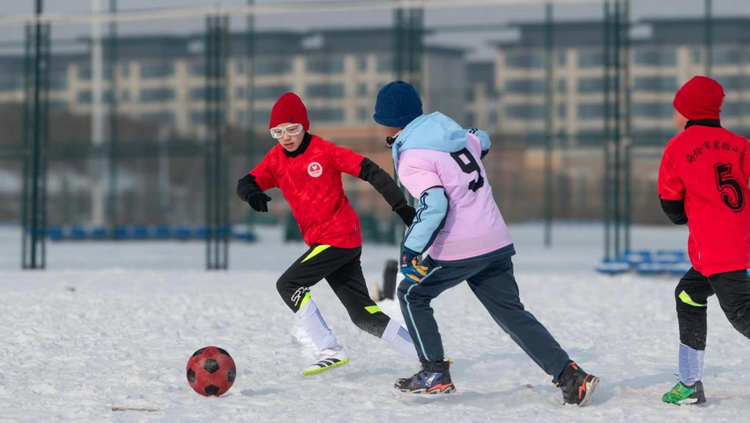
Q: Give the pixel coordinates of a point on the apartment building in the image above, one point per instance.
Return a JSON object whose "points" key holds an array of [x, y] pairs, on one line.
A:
{"points": [[664, 54], [161, 78]]}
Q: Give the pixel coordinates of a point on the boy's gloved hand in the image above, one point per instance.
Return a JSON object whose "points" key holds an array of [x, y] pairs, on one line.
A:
{"points": [[410, 267], [259, 201]]}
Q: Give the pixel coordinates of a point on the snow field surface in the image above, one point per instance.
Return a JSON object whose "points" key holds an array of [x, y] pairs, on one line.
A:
{"points": [[113, 325]]}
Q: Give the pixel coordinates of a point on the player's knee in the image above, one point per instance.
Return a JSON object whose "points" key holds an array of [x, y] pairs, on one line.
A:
{"points": [[739, 317], [677, 291], [282, 285], [286, 287], [403, 288]]}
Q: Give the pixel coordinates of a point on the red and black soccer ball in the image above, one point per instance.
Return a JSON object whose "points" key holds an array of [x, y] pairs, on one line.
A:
{"points": [[211, 371]]}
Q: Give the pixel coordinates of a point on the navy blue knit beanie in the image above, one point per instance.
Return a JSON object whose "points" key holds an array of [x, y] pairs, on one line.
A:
{"points": [[398, 104]]}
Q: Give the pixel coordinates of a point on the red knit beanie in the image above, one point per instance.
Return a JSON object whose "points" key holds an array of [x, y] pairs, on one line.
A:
{"points": [[699, 98], [289, 109]]}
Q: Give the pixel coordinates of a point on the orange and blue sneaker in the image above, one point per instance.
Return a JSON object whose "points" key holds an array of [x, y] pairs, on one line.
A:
{"points": [[577, 385], [434, 378]]}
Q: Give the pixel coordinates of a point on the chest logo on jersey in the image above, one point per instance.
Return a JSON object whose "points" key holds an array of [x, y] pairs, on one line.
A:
{"points": [[314, 169]]}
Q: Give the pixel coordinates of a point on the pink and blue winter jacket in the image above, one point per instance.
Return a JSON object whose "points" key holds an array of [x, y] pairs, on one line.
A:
{"points": [[439, 162]]}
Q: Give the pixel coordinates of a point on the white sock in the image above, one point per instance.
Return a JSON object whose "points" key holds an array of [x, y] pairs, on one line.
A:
{"points": [[312, 322], [398, 338], [691, 365]]}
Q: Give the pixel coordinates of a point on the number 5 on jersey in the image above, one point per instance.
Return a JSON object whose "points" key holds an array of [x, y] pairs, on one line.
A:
{"points": [[725, 183]]}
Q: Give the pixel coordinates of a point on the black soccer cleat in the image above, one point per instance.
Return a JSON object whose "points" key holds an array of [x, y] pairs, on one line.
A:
{"points": [[577, 385]]}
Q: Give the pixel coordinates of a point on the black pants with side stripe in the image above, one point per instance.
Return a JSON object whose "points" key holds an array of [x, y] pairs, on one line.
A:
{"points": [[732, 289], [342, 269], [492, 281]]}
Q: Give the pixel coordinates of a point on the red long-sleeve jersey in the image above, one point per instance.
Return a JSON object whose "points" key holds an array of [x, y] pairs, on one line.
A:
{"points": [[709, 168], [310, 180]]}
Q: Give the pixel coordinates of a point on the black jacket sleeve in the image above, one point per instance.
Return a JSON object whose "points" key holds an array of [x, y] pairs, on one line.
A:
{"points": [[675, 211], [247, 187], [387, 187]]}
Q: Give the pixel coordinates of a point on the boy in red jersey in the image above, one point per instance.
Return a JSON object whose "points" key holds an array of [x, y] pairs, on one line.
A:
{"points": [[307, 169], [703, 182]]}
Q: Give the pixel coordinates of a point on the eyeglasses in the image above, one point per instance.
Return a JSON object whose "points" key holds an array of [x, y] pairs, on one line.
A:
{"points": [[292, 130]]}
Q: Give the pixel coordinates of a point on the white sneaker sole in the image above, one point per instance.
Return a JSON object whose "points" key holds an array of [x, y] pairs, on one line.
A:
{"points": [[590, 388]]}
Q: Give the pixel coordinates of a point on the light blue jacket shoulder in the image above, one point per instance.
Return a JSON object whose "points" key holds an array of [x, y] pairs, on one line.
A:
{"points": [[435, 131]]}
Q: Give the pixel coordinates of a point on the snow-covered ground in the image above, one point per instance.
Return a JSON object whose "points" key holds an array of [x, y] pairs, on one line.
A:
{"points": [[113, 325]]}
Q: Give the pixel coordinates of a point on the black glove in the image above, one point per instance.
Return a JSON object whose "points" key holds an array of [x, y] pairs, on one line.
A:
{"points": [[259, 202], [407, 214]]}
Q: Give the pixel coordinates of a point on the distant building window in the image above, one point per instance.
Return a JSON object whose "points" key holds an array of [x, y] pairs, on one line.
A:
{"points": [[84, 96], [655, 57], [364, 114], [697, 53], [273, 66], [200, 118], [362, 90], [526, 111], [158, 117], [562, 58], [334, 65], [726, 56], [653, 110], [385, 64], [362, 63], [262, 117], [84, 72], [562, 110], [590, 111], [199, 93], [734, 109], [240, 92], [326, 115], [562, 85], [125, 70], [590, 85], [271, 92], [734, 82], [58, 104], [590, 58], [58, 81], [589, 137], [656, 83], [10, 83], [125, 96], [524, 86], [524, 60], [156, 95], [536, 138], [652, 137], [325, 91], [492, 118], [470, 120], [197, 68], [156, 69]]}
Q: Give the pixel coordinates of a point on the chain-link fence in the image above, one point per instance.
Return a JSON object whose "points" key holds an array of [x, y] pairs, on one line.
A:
{"points": [[147, 118]]}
